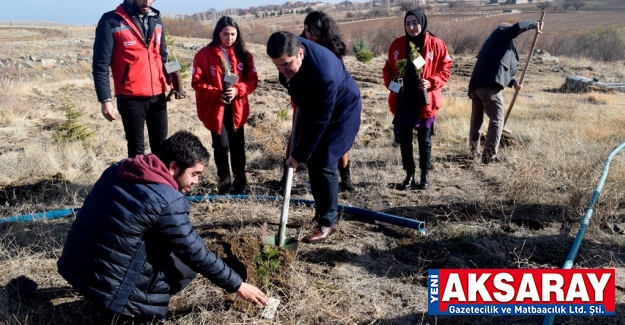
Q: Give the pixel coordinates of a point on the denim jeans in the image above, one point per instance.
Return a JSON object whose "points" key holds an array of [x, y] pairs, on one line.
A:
{"points": [[136, 112]]}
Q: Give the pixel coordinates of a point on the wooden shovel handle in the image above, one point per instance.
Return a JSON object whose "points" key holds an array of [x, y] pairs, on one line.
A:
{"points": [[527, 63]]}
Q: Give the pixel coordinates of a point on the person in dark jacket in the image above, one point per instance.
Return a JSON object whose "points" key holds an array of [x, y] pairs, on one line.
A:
{"points": [[329, 102], [320, 28], [496, 65], [131, 41], [132, 244]]}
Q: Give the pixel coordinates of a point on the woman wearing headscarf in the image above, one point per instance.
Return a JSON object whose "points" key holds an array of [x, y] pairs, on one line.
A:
{"points": [[416, 103]]}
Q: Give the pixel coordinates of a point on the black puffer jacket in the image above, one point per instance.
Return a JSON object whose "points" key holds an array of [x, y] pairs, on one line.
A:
{"points": [[131, 220]]}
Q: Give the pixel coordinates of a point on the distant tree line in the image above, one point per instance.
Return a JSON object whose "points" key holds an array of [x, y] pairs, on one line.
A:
{"points": [[566, 4]]}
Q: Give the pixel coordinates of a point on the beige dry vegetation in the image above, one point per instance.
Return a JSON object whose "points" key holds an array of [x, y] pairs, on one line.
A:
{"points": [[523, 213]]}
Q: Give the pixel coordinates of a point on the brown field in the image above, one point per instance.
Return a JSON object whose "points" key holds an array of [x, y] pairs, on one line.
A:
{"points": [[520, 214]]}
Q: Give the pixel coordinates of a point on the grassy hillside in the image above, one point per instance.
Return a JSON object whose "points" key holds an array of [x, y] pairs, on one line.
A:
{"points": [[520, 214]]}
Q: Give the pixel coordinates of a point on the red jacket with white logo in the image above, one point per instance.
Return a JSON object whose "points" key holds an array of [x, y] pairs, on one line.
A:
{"points": [[436, 70], [207, 81], [136, 62]]}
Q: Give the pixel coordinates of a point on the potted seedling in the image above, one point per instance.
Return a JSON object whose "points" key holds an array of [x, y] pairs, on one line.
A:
{"points": [[173, 69], [398, 83], [229, 79]]}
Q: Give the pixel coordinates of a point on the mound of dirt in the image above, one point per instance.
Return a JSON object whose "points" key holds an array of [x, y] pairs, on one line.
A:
{"points": [[240, 253]]}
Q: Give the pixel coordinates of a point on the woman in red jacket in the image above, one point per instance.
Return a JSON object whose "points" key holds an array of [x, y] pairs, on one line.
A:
{"points": [[416, 104], [223, 107]]}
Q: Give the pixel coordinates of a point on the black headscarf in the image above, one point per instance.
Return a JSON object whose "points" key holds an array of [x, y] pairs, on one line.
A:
{"points": [[411, 97], [418, 40]]}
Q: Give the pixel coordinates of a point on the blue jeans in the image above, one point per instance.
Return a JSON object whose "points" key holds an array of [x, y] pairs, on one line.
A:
{"points": [[324, 185]]}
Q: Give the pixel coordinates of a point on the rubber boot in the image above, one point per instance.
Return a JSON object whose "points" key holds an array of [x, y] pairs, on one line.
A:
{"points": [[408, 182], [346, 179], [425, 181], [239, 185]]}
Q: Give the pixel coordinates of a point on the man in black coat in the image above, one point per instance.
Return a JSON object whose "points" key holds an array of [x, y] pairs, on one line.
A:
{"points": [[328, 100], [496, 65], [132, 244]]}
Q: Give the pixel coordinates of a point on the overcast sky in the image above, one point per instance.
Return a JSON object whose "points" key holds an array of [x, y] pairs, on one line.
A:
{"points": [[88, 12]]}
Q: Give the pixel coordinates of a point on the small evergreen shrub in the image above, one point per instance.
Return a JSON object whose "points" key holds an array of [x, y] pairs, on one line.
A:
{"points": [[71, 130], [364, 56], [267, 263], [363, 52]]}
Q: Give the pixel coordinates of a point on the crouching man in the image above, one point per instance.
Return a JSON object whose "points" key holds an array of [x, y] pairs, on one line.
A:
{"points": [[132, 244]]}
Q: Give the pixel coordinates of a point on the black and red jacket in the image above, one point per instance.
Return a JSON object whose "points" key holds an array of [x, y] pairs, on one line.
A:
{"points": [[136, 61]]}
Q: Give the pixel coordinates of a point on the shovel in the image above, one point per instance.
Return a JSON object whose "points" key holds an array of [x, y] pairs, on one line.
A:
{"points": [[507, 133], [281, 240]]}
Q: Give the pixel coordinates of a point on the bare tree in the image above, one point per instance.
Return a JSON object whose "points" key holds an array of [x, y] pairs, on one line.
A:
{"points": [[566, 4], [543, 5], [577, 4]]}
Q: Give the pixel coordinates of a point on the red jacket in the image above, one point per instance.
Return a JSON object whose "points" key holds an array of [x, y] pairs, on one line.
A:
{"points": [[207, 83], [137, 68], [436, 70]]}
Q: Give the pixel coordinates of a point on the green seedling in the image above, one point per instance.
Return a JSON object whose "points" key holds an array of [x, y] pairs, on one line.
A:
{"points": [[267, 263]]}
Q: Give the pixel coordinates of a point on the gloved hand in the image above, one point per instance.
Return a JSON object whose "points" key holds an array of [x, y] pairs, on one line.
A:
{"points": [[177, 86]]}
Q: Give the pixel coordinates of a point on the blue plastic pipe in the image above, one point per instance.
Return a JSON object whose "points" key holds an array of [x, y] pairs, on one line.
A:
{"points": [[570, 259], [55, 214], [380, 216]]}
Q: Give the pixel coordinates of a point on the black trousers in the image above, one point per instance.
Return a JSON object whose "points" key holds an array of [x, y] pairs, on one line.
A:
{"points": [[424, 139], [324, 185], [233, 141], [136, 112]]}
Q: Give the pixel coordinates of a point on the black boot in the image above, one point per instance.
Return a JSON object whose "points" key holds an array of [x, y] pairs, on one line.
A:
{"points": [[346, 179], [408, 182], [239, 185], [224, 185], [425, 181]]}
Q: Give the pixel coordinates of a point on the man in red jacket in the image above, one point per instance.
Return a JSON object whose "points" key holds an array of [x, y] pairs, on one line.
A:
{"points": [[131, 41]]}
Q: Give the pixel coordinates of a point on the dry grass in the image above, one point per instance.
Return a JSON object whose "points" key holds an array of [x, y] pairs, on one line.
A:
{"points": [[523, 213]]}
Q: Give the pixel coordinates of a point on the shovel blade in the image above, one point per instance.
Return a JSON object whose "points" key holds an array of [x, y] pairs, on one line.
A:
{"points": [[290, 243]]}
